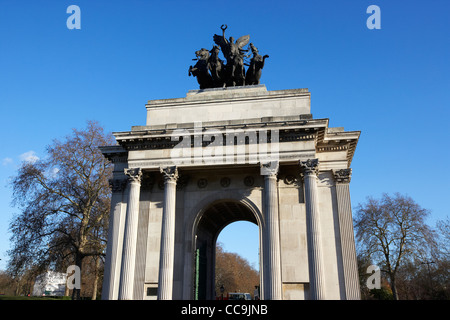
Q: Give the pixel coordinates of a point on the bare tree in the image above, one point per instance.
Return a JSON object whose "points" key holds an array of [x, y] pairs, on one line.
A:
{"points": [[64, 203], [392, 230], [234, 273], [443, 227]]}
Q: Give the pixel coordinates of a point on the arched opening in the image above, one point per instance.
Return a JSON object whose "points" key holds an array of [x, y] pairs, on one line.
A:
{"points": [[213, 220], [237, 260]]}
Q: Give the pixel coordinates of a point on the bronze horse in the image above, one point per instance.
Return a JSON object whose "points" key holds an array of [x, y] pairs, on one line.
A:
{"points": [[255, 68], [212, 72], [216, 67], [200, 70]]}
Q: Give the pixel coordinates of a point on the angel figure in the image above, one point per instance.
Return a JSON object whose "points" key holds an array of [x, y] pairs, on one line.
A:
{"points": [[234, 53]]}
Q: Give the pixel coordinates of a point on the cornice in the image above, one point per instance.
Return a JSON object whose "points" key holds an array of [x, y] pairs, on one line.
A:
{"points": [[227, 95], [114, 154], [326, 139]]}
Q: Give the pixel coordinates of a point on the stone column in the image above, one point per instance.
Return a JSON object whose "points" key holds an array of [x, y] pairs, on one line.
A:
{"points": [[271, 255], [114, 246], [351, 278], [130, 235], [166, 259], [316, 269]]}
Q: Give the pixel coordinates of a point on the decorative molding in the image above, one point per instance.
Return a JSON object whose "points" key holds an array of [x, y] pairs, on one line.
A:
{"points": [[202, 183], [152, 164], [170, 174], [249, 181], [225, 182], [310, 166], [167, 142], [117, 185], [117, 158], [332, 148], [289, 179], [133, 174], [343, 175], [115, 154], [286, 136]]}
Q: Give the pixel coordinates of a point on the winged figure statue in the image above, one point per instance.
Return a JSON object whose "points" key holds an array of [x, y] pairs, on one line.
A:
{"points": [[234, 54], [212, 72]]}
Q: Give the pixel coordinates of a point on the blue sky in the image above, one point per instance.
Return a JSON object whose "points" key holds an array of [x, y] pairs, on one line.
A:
{"points": [[393, 84]]}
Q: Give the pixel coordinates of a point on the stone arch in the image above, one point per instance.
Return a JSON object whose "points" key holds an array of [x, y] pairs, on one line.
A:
{"points": [[210, 217]]}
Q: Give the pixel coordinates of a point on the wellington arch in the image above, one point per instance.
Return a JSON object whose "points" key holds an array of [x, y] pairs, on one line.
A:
{"points": [[220, 155]]}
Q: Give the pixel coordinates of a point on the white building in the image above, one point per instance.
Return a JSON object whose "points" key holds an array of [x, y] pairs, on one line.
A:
{"points": [[50, 283]]}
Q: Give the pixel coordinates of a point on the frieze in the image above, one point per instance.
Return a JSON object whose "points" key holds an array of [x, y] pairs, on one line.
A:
{"points": [[225, 182], [249, 181], [186, 162], [168, 142], [202, 183], [118, 159]]}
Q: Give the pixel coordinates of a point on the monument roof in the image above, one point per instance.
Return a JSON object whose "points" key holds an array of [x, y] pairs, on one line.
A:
{"points": [[228, 93]]}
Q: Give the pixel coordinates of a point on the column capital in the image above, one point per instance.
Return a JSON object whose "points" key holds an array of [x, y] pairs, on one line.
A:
{"points": [[310, 166], [269, 169], [343, 175], [170, 173], [133, 174]]}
